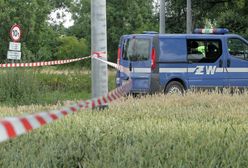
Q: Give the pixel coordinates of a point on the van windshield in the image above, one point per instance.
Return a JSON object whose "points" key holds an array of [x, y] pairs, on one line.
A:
{"points": [[136, 49]]}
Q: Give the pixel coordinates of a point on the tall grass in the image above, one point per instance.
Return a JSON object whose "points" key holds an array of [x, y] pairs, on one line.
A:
{"points": [[18, 86], [45, 86], [197, 130]]}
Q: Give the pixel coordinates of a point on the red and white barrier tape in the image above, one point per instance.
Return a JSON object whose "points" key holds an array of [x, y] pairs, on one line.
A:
{"points": [[40, 64], [116, 66], [15, 126], [96, 55]]}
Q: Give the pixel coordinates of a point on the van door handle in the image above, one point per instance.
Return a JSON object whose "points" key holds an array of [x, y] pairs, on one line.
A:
{"points": [[220, 63], [228, 63], [130, 67]]}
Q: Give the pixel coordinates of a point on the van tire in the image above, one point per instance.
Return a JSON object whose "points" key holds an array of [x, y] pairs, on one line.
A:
{"points": [[174, 88]]}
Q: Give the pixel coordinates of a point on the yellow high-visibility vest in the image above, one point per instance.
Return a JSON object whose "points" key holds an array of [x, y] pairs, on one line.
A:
{"points": [[201, 49]]}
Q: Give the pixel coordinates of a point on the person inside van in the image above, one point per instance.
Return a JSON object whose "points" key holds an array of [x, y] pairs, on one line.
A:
{"points": [[194, 52], [212, 48], [202, 49], [212, 52]]}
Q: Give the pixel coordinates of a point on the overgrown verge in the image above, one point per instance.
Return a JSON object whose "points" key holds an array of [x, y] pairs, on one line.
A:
{"points": [[19, 87], [32, 86]]}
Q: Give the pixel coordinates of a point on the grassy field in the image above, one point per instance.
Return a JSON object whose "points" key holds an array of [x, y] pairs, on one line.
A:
{"points": [[197, 130], [46, 85]]}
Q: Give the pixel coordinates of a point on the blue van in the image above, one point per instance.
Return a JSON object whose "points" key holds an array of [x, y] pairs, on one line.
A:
{"points": [[173, 63]]}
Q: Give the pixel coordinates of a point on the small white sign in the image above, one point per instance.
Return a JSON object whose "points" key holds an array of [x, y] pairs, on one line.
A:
{"points": [[14, 55], [15, 46]]}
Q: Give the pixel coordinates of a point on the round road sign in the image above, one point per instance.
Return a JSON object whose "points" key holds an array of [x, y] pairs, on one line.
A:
{"points": [[15, 33]]}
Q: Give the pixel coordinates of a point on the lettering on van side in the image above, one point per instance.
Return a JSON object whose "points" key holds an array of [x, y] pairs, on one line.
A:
{"points": [[198, 70], [208, 70]]}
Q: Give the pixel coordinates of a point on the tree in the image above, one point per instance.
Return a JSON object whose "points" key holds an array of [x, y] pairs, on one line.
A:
{"points": [[220, 13], [234, 17], [123, 17], [126, 17], [32, 15], [41, 40], [71, 47]]}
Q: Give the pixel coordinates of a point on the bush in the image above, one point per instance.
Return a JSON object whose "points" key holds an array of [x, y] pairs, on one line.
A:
{"points": [[27, 55], [71, 47]]}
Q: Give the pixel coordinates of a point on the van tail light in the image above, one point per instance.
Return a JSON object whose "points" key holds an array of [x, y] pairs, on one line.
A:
{"points": [[119, 56], [153, 64]]}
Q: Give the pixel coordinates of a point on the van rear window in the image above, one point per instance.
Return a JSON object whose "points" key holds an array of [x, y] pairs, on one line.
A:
{"points": [[136, 49]]}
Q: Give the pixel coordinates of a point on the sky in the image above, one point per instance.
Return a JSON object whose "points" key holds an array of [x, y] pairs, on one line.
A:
{"points": [[67, 20]]}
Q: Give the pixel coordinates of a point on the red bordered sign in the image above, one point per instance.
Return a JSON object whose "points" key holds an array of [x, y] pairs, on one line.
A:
{"points": [[15, 32]]}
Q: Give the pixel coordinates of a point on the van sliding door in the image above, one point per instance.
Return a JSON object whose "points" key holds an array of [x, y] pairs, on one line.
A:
{"points": [[206, 63]]}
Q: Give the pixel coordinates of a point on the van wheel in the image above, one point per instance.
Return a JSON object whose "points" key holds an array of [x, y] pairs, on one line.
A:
{"points": [[174, 88]]}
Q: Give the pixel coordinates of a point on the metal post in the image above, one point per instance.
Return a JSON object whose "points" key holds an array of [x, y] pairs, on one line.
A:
{"points": [[162, 17], [189, 17], [99, 44]]}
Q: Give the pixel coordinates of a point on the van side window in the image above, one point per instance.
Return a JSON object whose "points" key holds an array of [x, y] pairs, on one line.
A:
{"points": [[203, 51], [238, 48]]}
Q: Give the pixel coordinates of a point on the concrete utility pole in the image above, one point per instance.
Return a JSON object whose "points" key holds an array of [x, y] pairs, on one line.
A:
{"points": [[162, 17], [99, 44], [189, 17]]}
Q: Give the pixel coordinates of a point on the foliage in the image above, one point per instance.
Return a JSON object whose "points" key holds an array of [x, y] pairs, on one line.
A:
{"points": [[197, 130], [121, 14], [39, 39], [235, 17], [120, 20], [81, 15], [32, 16], [71, 47], [221, 13]]}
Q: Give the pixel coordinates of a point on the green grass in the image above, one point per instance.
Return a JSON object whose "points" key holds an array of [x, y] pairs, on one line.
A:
{"points": [[197, 130], [45, 85]]}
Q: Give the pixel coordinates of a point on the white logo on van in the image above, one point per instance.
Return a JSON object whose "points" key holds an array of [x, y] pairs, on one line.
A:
{"points": [[208, 70], [199, 70]]}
